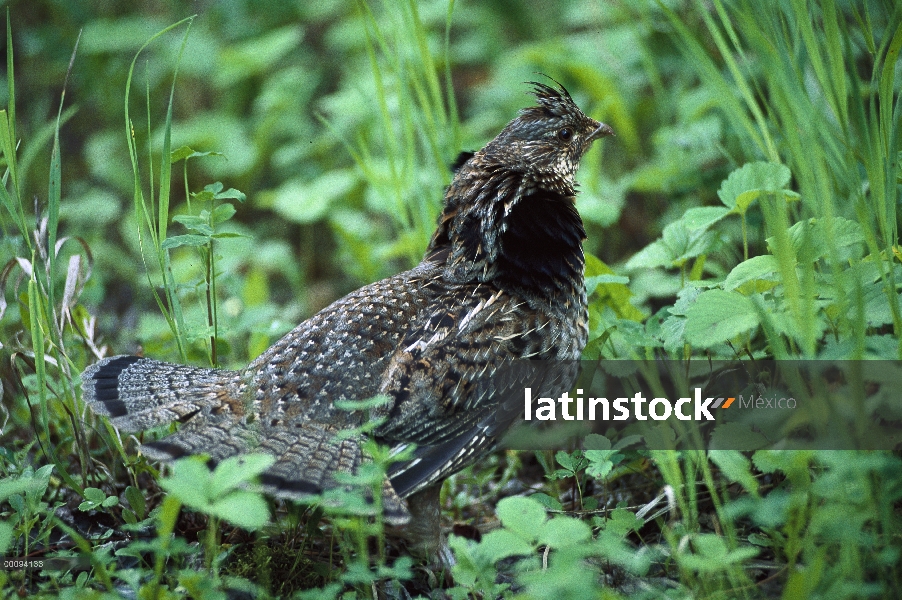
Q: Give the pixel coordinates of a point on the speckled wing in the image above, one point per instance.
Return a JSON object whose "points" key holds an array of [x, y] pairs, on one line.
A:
{"points": [[338, 354], [453, 376]]}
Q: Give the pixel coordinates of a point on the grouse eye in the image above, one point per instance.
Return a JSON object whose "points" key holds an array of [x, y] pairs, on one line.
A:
{"points": [[565, 133]]}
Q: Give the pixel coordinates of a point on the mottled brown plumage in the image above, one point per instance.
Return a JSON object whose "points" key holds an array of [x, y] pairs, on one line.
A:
{"points": [[502, 280]]}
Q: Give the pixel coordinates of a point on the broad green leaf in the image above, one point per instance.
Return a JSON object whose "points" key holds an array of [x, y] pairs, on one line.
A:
{"points": [[6, 536], [600, 464], [737, 436], [237, 470], [712, 554], [660, 437], [622, 521], [231, 194], [595, 441], [204, 196], [523, 516], [718, 316], [188, 483], [745, 199], [306, 202], [547, 501], [185, 240], [686, 297], [762, 267], [610, 289], [94, 495], [188, 152], [500, 544], [566, 460], [199, 224], [136, 501], [223, 213], [811, 241], [750, 181], [594, 281], [562, 531], [683, 243], [656, 254], [770, 461], [736, 467], [244, 509], [702, 217]]}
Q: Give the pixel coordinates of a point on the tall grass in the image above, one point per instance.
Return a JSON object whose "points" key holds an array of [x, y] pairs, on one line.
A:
{"points": [[152, 210], [44, 366], [418, 131], [788, 86]]}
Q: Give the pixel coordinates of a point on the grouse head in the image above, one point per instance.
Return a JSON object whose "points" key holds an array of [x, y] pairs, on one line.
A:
{"points": [[546, 142]]}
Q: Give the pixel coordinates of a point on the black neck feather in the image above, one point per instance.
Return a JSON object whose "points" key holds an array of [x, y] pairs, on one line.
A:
{"points": [[541, 247], [535, 249]]}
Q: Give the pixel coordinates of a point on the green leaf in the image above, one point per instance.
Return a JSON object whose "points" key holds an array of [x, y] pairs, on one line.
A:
{"points": [[596, 280], [94, 495], [244, 509], [185, 240], [523, 516], [547, 501], [628, 440], [223, 213], [737, 436], [6, 536], [500, 544], [684, 243], [712, 554], [199, 224], [660, 437], [758, 268], [750, 181], [736, 467], [563, 531], [565, 460], [305, 202], [600, 462], [594, 441], [187, 152], [188, 483], [230, 194], [759, 539], [703, 217], [812, 238], [622, 521], [718, 316], [656, 254], [610, 290], [236, 471]]}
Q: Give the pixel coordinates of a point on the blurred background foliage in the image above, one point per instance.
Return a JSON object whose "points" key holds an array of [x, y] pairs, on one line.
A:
{"points": [[286, 92]]}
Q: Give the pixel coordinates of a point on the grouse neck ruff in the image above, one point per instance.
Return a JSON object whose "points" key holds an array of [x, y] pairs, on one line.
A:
{"points": [[541, 248]]}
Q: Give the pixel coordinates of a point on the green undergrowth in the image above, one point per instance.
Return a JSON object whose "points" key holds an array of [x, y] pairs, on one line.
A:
{"points": [[746, 210]]}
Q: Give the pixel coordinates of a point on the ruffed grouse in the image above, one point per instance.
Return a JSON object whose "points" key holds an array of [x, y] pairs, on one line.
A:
{"points": [[502, 280]]}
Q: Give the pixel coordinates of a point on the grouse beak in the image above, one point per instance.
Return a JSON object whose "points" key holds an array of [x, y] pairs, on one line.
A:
{"points": [[602, 131]]}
